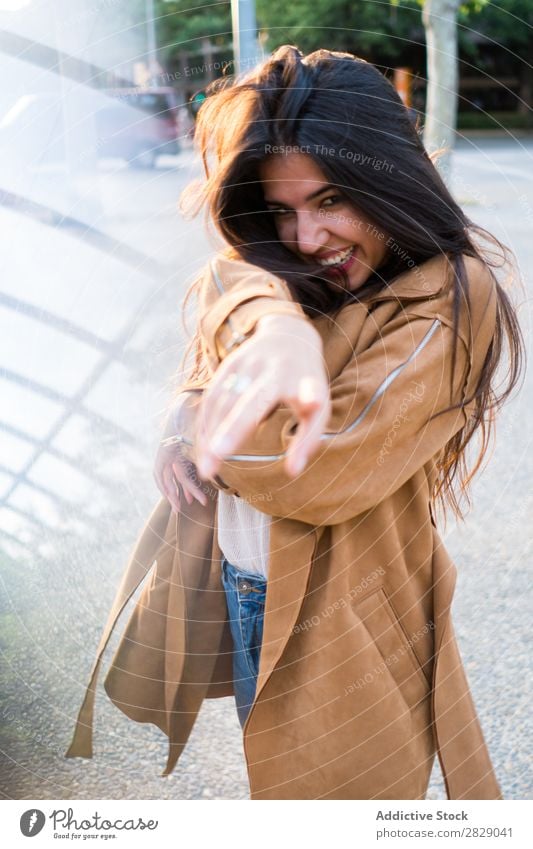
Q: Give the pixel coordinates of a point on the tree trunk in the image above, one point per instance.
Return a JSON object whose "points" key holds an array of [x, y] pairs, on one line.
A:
{"points": [[440, 22], [526, 84]]}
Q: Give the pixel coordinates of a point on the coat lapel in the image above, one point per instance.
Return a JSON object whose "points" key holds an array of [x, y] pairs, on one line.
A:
{"points": [[465, 762], [292, 546], [153, 539], [197, 630], [185, 600], [421, 281]]}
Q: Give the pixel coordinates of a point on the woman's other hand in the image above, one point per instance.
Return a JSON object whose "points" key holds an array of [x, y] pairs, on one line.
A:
{"points": [[173, 470], [282, 362]]}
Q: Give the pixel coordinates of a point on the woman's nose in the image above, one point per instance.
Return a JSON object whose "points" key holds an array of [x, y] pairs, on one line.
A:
{"points": [[311, 233]]}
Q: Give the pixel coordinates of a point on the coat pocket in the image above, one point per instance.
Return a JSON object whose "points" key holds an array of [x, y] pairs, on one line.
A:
{"points": [[393, 644]]}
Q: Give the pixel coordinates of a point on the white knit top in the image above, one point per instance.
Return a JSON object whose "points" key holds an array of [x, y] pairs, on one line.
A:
{"points": [[243, 534], [243, 531]]}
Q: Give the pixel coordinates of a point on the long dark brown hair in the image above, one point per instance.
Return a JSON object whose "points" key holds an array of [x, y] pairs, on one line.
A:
{"points": [[325, 103]]}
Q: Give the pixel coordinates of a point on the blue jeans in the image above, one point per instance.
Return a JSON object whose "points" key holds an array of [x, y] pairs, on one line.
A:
{"points": [[245, 599]]}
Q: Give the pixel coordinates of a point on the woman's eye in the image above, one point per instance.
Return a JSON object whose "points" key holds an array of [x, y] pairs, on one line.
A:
{"points": [[330, 201]]}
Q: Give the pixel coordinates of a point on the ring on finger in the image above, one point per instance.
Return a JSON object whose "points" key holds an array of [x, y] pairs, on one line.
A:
{"points": [[236, 383]]}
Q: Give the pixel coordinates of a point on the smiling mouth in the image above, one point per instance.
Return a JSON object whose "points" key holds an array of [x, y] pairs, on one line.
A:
{"points": [[335, 269], [338, 259]]}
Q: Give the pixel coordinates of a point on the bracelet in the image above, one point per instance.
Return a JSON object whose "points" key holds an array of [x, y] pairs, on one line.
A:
{"points": [[175, 439]]}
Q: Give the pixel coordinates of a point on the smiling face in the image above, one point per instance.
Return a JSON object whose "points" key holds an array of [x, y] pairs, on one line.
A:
{"points": [[318, 223]]}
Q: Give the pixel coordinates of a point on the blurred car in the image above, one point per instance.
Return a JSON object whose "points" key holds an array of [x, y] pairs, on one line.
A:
{"points": [[135, 124], [139, 125]]}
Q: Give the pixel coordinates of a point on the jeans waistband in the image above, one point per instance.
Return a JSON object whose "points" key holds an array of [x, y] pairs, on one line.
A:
{"points": [[252, 577]]}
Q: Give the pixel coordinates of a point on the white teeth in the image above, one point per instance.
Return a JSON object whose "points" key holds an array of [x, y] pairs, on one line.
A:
{"points": [[339, 258]]}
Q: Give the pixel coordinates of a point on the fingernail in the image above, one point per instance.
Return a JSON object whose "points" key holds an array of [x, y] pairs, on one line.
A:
{"points": [[307, 391]]}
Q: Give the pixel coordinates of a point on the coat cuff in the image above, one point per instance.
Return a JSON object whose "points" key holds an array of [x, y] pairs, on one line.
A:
{"points": [[244, 319], [181, 427]]}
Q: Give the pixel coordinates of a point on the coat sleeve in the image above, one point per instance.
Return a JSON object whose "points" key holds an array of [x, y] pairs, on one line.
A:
{"points": [[389, 417], [233, 297]]}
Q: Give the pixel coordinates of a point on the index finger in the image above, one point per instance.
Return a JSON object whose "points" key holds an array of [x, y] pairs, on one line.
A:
{"points": [[313, 421], [237, 421]]}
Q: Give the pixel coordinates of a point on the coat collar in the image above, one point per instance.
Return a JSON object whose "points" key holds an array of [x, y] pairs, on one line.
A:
{"points": [[426, 280], [421, 281]]}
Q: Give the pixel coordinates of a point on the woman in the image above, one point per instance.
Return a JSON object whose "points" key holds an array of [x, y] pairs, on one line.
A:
{"points": [[347, 345]]}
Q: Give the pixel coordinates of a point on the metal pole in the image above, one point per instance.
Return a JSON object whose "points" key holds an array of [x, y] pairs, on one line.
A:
{"points": [[79, 142], [244, 34], [151, 40]]}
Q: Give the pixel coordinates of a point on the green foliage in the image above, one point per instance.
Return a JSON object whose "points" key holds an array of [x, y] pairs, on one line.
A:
{"points": [[186, 23], [369, 28], [500, 38], [509, 23], [181, 26], [492, 121], [384, 31]]}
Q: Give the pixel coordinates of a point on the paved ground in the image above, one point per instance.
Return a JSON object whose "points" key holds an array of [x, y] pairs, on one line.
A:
{"points": [[93, 334]]}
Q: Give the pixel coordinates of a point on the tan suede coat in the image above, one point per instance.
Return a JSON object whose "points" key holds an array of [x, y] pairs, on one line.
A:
{"points": [[360, 680]]}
